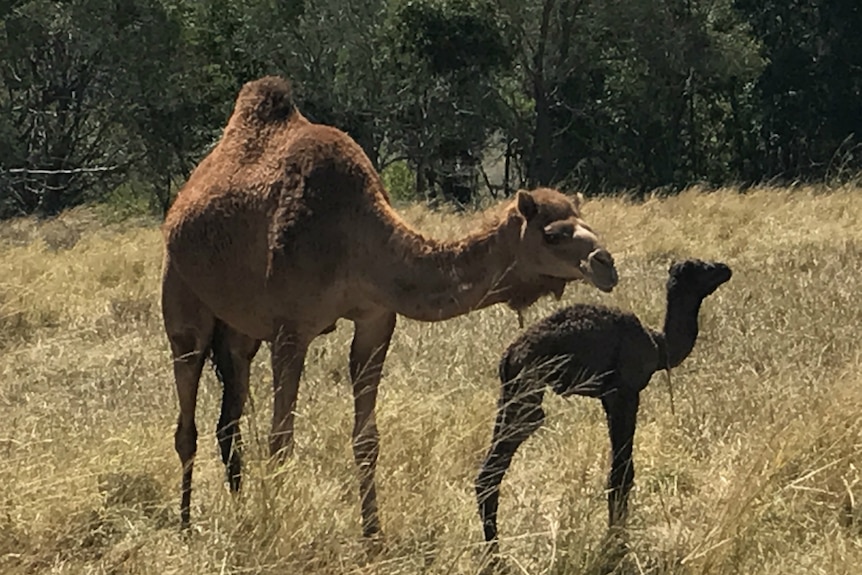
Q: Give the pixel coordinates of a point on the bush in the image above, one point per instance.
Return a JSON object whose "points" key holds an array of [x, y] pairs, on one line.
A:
{"points": [[400, 181]]}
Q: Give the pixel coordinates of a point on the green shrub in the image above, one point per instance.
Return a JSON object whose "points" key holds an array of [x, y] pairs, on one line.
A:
{"points": [[400, 181]]}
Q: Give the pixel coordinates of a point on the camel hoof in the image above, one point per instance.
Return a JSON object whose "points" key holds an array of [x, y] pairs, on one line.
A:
{"points": [[613, 548], [185, 520], [493, 563], [187, 532], [375, 545]]}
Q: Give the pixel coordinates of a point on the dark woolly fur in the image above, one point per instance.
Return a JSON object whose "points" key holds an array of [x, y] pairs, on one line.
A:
{"points": [[594, 351]]}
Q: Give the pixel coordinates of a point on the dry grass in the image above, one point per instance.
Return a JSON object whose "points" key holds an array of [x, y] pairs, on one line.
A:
{"points": [[760, 472]]}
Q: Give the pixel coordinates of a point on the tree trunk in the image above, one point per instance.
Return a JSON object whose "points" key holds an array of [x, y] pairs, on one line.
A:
{"points": [[507, 168], [539, 168]]}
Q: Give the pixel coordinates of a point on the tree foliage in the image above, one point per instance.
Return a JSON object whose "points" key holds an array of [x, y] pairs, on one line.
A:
{"points": [[466, 94]]}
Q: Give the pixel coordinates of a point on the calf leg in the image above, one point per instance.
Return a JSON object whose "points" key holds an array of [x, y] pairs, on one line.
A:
{"points": [[517, 419], [621, 408]]}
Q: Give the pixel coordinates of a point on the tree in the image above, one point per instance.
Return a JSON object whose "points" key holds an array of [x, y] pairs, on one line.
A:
{"points": [[810, 89], [446, 57], [625, 94], [93, 91], [55, 120]]}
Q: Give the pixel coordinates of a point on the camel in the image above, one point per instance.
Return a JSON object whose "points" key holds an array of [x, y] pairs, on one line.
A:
{"points": [[285, 227], [593, 351]]}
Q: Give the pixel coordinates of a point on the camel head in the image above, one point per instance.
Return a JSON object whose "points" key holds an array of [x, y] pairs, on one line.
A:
{"points": [[697, 277], [556, 247]]}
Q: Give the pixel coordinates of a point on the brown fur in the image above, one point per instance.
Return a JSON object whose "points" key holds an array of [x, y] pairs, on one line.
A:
{"points": [[285, 227]]}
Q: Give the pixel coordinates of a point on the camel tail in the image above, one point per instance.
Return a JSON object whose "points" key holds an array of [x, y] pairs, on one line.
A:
{"points": [[266, 100], [505, 368], [220, 352]]}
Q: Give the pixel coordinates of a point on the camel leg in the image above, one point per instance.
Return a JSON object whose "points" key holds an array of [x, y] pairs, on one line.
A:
{"points": [[367, 354], [621, 408], [517, 419], [189, 327], [232, 355], [288, 360]]}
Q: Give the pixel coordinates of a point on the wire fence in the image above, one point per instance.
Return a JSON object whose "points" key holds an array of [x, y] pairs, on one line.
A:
{"points": [[45, 191]]}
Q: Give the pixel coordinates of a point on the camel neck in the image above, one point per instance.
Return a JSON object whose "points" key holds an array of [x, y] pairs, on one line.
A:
{"points": [[680, 326], [429, 280], [661, 347]]}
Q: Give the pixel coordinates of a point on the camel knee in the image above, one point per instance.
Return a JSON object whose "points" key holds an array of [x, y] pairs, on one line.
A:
{"points": [[228, 434], [186, 441], [228, 428]]}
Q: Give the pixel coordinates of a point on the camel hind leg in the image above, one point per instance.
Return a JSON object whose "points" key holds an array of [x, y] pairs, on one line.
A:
{"points": [[189, 327], [367, 353], [232, 353], [519, 415]]}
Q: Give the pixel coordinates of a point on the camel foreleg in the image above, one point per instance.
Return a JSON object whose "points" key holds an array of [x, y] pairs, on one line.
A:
{"points": [[621, 408]]}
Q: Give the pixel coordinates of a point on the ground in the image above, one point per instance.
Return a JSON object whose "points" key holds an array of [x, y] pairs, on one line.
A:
{"points": [[760, 471]]}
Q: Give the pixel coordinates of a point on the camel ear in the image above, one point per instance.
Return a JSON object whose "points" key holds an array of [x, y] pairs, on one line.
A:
{"points": [[527, 205], [578, 200]]}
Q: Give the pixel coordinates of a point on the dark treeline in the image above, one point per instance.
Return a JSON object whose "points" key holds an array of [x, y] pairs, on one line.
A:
{"points": [[447, 97]]}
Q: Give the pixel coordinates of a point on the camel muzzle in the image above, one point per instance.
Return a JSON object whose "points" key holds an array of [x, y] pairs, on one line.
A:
{"points": [[599, 270]]}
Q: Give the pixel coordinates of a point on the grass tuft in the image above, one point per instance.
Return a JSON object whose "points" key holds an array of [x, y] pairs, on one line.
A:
{"points": [[759, 471]]}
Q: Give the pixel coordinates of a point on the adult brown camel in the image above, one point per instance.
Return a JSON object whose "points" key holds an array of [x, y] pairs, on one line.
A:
{"points": [[285, 227]]}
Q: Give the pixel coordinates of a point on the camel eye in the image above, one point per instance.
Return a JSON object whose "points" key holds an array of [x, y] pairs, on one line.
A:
{"points": [[555, 234], [555, 237]]}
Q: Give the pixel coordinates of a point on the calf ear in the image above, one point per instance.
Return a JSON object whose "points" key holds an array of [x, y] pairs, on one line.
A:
{"points": [[527, 205]]}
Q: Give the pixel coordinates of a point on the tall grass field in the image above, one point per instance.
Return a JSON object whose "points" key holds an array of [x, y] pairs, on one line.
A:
{"points": [[758, 471]]}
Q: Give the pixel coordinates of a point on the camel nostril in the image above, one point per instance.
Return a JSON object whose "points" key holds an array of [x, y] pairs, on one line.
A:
{"points": [[602, 256]]}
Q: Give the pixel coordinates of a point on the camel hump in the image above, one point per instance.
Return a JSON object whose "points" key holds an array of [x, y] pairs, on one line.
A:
{"points": [[266, 100]]}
